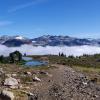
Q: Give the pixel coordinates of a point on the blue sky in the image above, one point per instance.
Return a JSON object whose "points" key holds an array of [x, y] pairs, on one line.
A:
{"points": [[33, 18]]}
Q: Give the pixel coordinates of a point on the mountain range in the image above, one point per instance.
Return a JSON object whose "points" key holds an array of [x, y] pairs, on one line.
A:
{"points": [[47, 40]]}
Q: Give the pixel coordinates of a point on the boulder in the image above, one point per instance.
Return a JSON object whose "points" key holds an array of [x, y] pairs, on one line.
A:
{"points": [[36, 79], [6, 95], [12, 82], [28, 73]]}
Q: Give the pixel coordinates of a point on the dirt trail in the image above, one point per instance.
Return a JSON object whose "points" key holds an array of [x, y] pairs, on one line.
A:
{"points": [[66, 84]]}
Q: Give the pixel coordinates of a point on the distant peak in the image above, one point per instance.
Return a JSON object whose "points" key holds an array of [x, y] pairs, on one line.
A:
{"points": [[19, 37]]}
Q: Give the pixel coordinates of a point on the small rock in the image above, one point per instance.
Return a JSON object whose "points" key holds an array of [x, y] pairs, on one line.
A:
{"points": [[27, 87], [95, 96], [14, 75], [84, 83], [28, 73], [36, 79], [50, 75], [18, 80], [34, 72], [13, 87], [1, 71], [8, 75], [94, 80], [31, 94], [7, 95], [43, 72], [20, 86]]}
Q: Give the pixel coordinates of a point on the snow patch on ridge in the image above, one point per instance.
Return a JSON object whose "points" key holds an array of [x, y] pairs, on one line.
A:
{"points": [[19, 37]]}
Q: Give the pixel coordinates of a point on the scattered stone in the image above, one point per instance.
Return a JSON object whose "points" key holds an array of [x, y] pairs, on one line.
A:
{"points": [[36, 79], [34, 97], [18, 80], [84, 83], [43, 72], [20, 86], [56, 91], [66, 84], [31, 96], [50, 75], [34, 72], [94, 80], [98, 88], [14, 75], [8, 75], [27, 87], [1, 71], [28, 73], [11, 82], [6, 95], [48, 66], [82, 76], [95, 96], [13, 87], [28, 93]]}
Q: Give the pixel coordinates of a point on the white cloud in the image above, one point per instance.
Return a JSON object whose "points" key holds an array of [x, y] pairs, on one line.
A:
{"points": [[22, 6], [5, 23], [30, 50]]}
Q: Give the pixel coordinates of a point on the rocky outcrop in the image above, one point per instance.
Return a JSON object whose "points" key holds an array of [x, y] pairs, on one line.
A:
{"points": [[6, 95], [11, 82]]}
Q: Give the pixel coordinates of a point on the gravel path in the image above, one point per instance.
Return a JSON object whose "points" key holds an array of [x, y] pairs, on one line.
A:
{"points": [[66, 84]]}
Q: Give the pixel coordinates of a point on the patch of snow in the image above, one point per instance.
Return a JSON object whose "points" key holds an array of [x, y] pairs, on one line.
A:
{"points": [[19, 37], [33, 41]]}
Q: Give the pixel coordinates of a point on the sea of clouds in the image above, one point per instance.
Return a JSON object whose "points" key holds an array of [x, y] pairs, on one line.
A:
{"points": [[31, 50]]}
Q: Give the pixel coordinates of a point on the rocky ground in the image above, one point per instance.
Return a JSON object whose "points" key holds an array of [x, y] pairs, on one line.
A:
{"points": [[56, 83]]}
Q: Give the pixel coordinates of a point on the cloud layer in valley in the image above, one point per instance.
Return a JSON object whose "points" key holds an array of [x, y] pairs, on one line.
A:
{"points": [[30, 50]]}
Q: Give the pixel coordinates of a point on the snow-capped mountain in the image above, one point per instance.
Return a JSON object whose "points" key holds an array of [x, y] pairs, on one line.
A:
{"points": [[48, 40], [64, 41], [13, 41]]}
